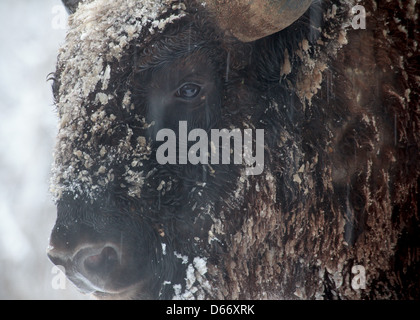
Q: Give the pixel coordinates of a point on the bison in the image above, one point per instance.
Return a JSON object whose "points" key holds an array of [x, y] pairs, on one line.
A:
{"points": [[333, 214]]}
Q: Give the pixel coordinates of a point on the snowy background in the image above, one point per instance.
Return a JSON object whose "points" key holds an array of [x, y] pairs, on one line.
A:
{"points": [[31, 32]]}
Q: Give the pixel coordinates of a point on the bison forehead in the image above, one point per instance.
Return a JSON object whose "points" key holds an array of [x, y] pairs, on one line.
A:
{"points": [[99, 33]]}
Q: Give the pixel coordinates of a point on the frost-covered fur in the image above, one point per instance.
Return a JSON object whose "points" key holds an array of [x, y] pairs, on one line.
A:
{"points": [[341, 152], [99, 33]]}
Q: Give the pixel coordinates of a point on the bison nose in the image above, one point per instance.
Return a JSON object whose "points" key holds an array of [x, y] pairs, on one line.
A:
{"points": [[100, 261], [90, 266], [90, 261]]}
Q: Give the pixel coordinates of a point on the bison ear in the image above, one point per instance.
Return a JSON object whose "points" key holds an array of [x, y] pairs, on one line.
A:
{"points": [[249, 20], [71, 5]]}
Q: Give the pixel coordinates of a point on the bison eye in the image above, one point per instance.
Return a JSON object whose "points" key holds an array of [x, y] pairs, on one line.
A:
{"points": [[188, 91]]}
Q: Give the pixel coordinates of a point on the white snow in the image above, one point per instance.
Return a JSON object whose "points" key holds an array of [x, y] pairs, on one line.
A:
{"points": [[190, 277], [196, 284], [200, 264], [180, 256]]}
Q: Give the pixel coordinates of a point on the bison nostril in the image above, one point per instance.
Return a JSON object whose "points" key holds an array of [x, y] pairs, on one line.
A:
{"points": [[103, 262], [91, 267]]}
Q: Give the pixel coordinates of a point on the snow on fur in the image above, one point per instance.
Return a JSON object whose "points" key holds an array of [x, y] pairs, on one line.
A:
{"points": [[98, 34]]}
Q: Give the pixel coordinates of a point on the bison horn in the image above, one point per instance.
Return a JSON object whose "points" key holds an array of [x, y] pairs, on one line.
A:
{"points": [[249, 20]]}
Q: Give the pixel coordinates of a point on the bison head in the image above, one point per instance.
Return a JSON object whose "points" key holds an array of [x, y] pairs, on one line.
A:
{"points": [[128, 226]]}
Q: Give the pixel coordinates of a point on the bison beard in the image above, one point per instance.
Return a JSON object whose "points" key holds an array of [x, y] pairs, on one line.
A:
{"points": [[340, 175]]}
